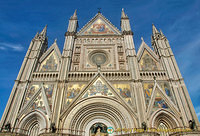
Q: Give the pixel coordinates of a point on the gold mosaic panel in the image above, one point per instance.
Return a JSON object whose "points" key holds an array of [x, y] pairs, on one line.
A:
{"points": [[50, 63], [31, 91], [147, 62], [99, 27], [48, 88], [124, 91], [148, 88], [98, 88], [72, 91]]}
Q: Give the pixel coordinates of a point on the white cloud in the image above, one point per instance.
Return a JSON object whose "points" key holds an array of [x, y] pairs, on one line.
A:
{"points": [[14, 47], [2, 48]]}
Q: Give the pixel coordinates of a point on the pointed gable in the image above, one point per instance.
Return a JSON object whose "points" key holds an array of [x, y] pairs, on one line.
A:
{"points": [[98, 88], [148, 60], [50, 59], [99, 25]]}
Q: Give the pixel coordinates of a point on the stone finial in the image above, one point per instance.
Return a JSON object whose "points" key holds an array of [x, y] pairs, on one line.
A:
{"points": [[142, 39], [154, 29], [74, 15], [44, 31], [123, 15]]}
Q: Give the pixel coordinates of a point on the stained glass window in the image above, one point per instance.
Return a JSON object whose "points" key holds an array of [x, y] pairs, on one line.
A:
{"points": [[124, 91], [50, 63], [98, 88], [147, 62]]}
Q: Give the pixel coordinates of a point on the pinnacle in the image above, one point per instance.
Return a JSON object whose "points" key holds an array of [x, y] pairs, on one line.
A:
{"points": [[55, 41], [154, 29], [44, 31], [74, 15], [37, 34], [142, 39], [123, 15], [161, 33]]}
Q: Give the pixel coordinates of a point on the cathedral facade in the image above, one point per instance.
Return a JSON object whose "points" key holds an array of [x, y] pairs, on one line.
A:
{"points": [[99, 86]]}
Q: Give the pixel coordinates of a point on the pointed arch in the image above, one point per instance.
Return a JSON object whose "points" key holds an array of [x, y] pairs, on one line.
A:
{"points": [[166, 117], [163, 100], [33, 123]]}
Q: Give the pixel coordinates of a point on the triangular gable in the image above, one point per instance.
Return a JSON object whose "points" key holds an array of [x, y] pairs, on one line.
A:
{"points": [[106, 89], [99, 25], [50, 59], [98, 88], [38, 101], [144, 47], [160, 100]]}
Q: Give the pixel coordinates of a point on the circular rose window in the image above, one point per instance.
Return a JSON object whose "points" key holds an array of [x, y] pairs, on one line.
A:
{"points": [[98, 58]]}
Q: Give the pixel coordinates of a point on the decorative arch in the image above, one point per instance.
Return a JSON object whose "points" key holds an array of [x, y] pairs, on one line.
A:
{"points": [[100, 109], [35, 120], [166, 117]]}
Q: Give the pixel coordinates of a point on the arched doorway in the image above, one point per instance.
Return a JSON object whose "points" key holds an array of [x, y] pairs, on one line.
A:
{"points": [[98, 129], [90, 111]]}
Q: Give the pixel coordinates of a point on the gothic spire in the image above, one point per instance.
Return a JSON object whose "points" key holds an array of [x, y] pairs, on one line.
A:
{"points": [[44, 31], [123, 15], [154, 29], [37, 34], [74, 15], [55, 41], [161, 33]]}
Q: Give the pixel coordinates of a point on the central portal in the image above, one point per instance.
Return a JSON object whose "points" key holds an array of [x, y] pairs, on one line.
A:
{"points": [[98, 129]]}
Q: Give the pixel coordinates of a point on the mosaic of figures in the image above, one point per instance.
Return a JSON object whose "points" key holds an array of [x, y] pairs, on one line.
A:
{"points": [[159, 102], [50, 63], [166, 88], [147, 62], [38, 102], [31, 91], [99, 27], [98, 88], [72, 91], [98, 129], [49, 93], [124, 91]]}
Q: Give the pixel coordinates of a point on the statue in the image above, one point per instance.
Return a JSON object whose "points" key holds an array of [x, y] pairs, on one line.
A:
{"points": [[192, 124], [8, 127], [144, 126], [53, 127]]}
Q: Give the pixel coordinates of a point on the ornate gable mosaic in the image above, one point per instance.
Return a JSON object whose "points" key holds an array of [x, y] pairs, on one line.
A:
{"points": [[99, 27]]}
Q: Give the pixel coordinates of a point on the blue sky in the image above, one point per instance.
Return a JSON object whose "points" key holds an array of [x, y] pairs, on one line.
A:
{"points": [[178, 19]]}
